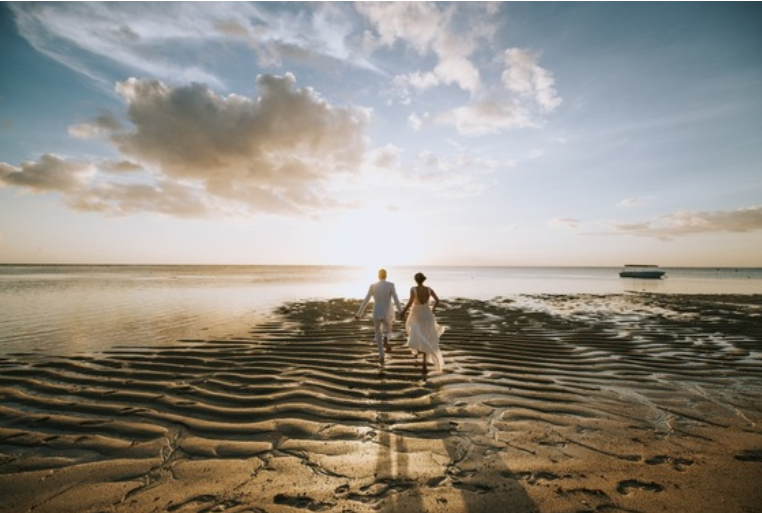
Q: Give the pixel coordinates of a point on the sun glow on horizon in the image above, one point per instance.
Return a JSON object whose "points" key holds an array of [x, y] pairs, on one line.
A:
{"points": [[372, 238]]}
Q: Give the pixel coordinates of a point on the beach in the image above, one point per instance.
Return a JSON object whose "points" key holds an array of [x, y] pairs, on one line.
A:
{"points": [[534, 412]]}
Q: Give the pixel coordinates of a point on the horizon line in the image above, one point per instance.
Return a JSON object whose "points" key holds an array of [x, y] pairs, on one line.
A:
{"points": [[359, 266]]}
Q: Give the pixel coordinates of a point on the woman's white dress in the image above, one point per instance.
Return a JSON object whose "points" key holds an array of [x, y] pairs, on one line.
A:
{"points": [[423, 332]]}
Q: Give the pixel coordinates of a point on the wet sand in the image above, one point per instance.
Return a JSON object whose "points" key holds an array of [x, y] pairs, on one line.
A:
{"points": [[659, 411]]}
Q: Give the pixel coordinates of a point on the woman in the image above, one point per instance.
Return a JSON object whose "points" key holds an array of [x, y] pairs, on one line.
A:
{"points": [[423, 332]]}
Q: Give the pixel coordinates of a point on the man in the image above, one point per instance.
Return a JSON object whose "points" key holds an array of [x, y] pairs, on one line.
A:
{"points": [[382, 292]]}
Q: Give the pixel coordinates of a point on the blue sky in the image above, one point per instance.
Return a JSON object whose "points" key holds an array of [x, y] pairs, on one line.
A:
{"points": [[381, 133]]}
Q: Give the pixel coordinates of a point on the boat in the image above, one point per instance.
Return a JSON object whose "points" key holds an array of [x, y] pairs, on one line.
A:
{"points": [[648, 271]]}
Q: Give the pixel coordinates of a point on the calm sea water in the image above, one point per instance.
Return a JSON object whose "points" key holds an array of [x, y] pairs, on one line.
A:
{"points": [[84, 309]]}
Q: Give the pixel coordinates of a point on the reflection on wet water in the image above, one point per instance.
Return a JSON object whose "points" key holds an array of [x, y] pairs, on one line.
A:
{"points": [[72, 309]]}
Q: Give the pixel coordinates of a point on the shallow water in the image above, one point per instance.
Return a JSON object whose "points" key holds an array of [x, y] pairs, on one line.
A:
{"points": [[83, 309]]}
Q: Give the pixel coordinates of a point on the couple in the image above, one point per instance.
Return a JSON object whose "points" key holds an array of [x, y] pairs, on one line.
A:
{"points": [[421, 326]]}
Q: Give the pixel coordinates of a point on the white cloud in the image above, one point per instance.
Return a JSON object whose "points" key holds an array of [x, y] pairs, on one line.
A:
{"points": [[566, 222], [528, 79], [178, 42], [428, 28], [535, 153], [418, 80], [460, 71], [632, 202], [141, 37], [525, 93], [181, 42], [461, 174], [684, 223], [414, 121], [386, 157], [486, 117], [417, 23]]}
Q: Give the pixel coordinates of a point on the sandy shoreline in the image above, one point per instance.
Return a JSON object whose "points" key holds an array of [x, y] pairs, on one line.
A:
{"points": [[534, 412]]}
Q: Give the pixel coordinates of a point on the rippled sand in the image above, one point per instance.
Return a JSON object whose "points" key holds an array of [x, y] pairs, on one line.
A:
{"points": [[658, 408]]}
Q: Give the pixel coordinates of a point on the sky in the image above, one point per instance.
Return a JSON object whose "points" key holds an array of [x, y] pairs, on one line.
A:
{"points": [[580, 134]]}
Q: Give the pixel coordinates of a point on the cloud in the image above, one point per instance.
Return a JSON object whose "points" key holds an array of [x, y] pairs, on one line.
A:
{"points": [[632, 202], [429, 28], [565, 222], [486, 116], [526, 78], [273, 153], [684, 223], [148, 39], [526, 93], [104, 123], [461, 174], [166, 197], [535, 154], [120, 166], [417, 23], [285, 135], [50, 173], [181, 42], [203, 152], [76, 182], [386, 157], [453, 34], [445, 44], [415, 121]]}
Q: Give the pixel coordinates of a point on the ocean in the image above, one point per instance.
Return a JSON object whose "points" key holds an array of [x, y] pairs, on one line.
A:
{"points": [[73, 309]]}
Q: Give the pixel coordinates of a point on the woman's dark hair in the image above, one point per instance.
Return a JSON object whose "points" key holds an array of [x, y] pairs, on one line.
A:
{"points": [[419, 278]]}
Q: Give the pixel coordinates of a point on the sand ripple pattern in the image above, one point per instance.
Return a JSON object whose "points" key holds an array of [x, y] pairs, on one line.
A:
{"points": [[296, 414]]}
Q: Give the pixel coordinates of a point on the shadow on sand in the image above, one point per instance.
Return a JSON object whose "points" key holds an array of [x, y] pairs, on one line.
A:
{"points": [[434, 455]]}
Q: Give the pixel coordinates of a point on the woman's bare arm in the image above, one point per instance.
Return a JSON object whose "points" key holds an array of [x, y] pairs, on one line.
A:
{"points": [[409, 301], [436, 299]]}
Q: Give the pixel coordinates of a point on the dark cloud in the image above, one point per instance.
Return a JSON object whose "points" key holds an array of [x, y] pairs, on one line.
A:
{"points": [[165, 197], [232, 28], [188, 130], [121, 166], [104, 123], [198, 152], [50, 173], [273, 152]]}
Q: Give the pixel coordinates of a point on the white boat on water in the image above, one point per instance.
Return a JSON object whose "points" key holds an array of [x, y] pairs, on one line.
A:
{"points": [[642, 271]]}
